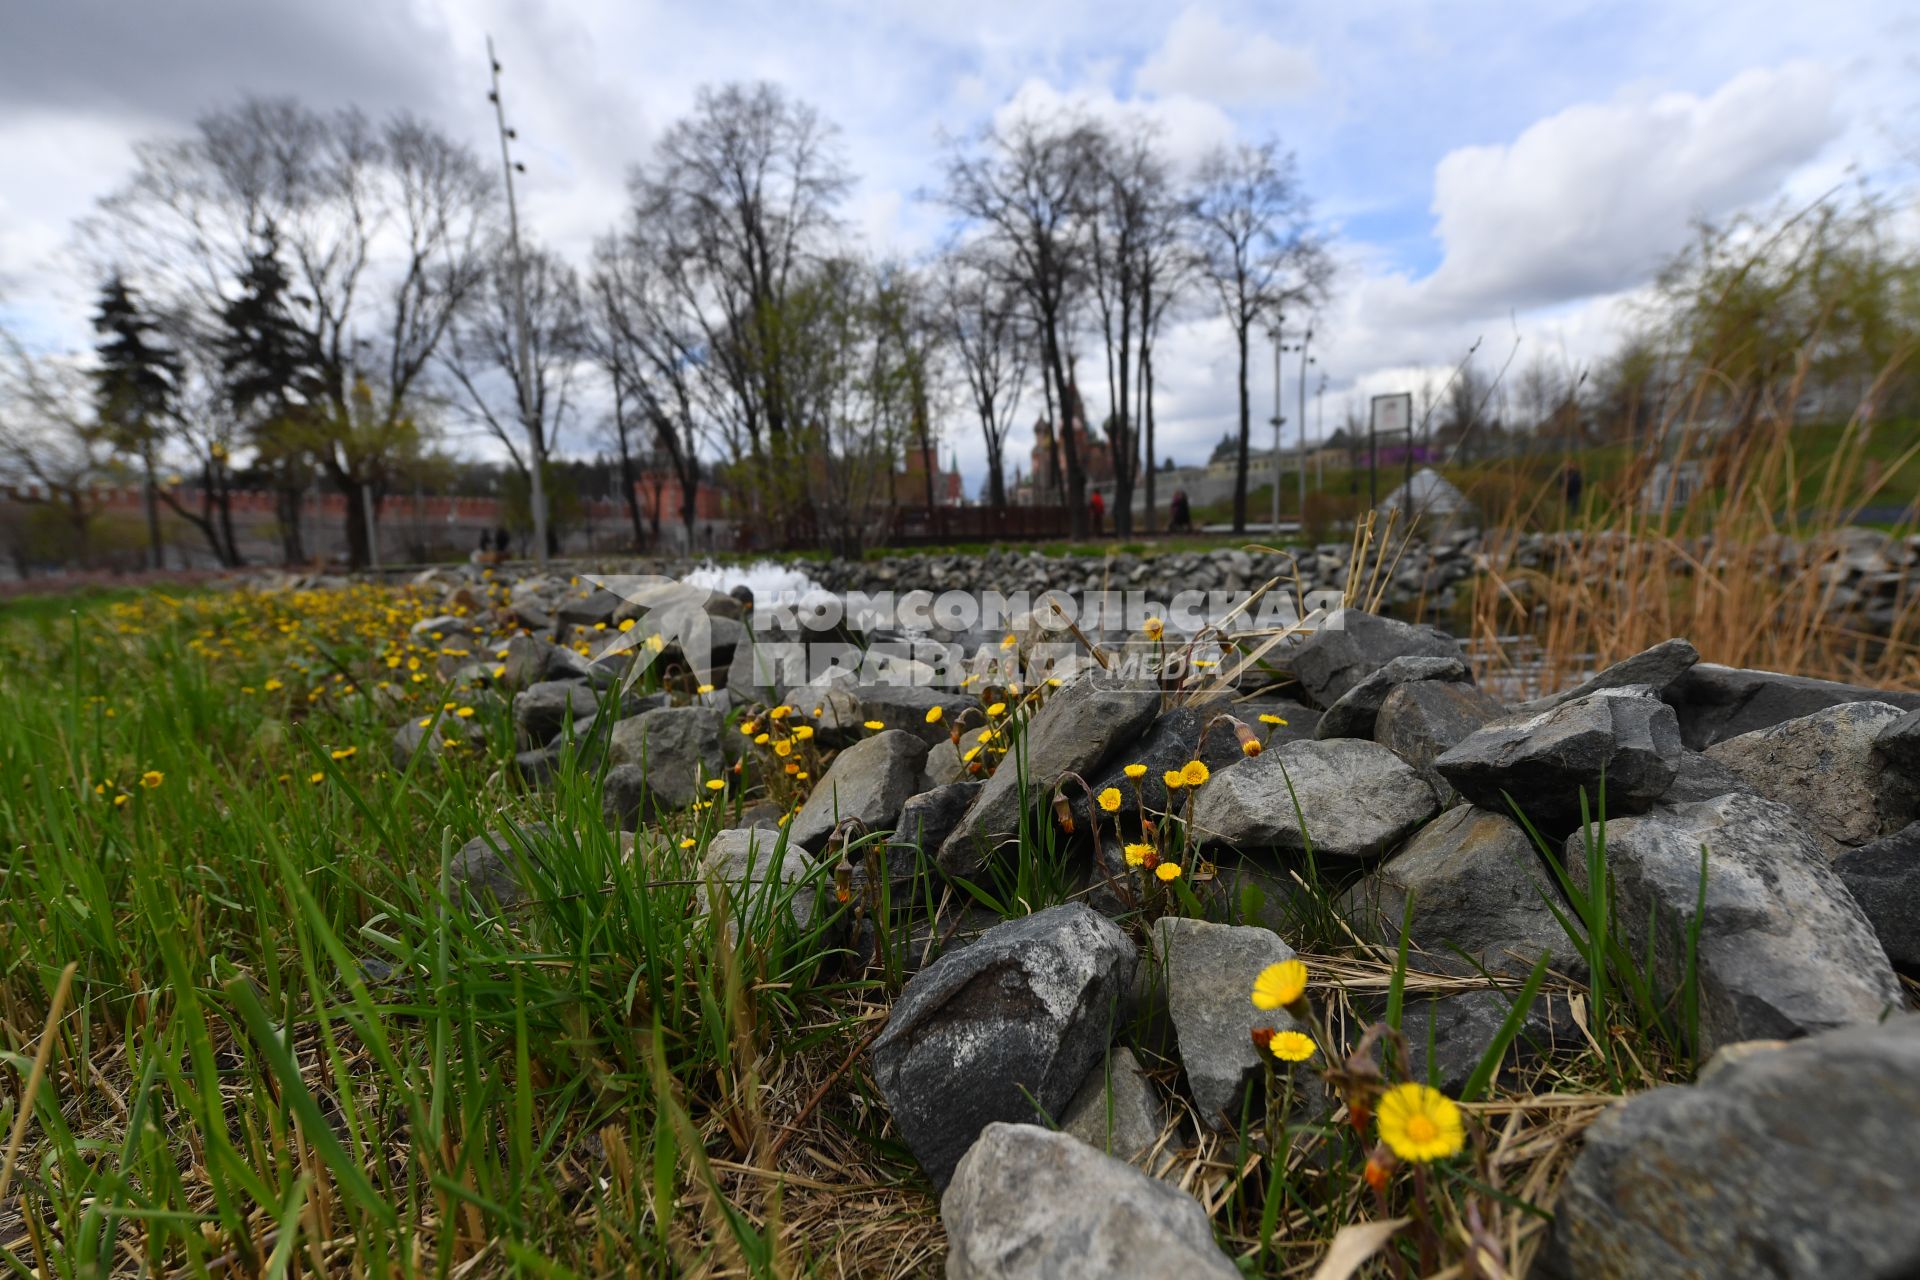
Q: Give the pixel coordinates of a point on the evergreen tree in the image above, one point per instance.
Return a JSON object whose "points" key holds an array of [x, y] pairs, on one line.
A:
{"points": [[271, 380], [133, 388]]}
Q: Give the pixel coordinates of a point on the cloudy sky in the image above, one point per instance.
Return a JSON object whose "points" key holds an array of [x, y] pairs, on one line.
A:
{"points": [[1487, 169]]}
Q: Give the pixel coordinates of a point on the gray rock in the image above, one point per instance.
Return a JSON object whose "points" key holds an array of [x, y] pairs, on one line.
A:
{"points": [[1028, 1204], [1715, 703], [905, 706], [1448, 1035], [1799, 1162], [487, 868], [1352, 644], [1701, 777], [585, 609], [764, 669], [926, 820], [1208, 972], [1016, 1017], [1353, 714], [1884, 878], [1655, 668], [1899, 743], [1358, 798], [867, 781], [1478, 886], [1543, 761], [1080, 727], [1117, 1110], [1826, 768], [761, 875], [1422, 722], [623, 797], [432, 737], [1168, 744], [704, 641], [1301, 720], [526, 661], [541, 710], [945, 763], [1784, 949], [677, 748]]}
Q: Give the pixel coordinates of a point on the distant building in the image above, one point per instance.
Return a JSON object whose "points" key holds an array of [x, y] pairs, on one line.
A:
{"points": [[1096, 460]]}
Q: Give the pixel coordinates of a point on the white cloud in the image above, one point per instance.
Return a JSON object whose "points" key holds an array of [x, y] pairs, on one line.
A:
{"points": [[1203, 57], [1591, 199], [1184, 127]]}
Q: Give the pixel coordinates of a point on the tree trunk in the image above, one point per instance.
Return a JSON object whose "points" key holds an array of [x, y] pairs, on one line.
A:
{"points": [[1246, 426], [152, 496], [1070, 449], [223, 504], [1146, 392], [689, 504], [287, 502], [996, 479], [358, 552]]}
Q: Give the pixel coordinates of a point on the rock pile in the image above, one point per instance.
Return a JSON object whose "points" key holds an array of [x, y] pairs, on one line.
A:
{"points": [[1012, 1064]]}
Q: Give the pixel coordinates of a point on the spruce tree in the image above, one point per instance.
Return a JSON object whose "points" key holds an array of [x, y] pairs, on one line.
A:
{"points": [[270, 380], [133, 388]]}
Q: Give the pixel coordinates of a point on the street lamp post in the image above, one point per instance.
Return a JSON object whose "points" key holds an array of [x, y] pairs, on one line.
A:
{"points": [[536, 431], [1277, 420], [1304, 362]]}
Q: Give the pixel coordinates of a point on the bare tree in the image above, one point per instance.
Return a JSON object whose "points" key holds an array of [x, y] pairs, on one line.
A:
{"points": [[648, 339], [53, 447], [522, 400], [984, 326], [1255, 247], [742, 194], [1134, 230], [1026, 185], [384, 228]]}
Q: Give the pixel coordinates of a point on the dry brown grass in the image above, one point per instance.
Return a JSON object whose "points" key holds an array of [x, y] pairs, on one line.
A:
{"points": [[1750, 571]]}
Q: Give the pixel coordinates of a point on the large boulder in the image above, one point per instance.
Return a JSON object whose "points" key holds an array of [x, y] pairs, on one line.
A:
{"points": [[1545, 760], [1827, 768], [1423, 721], [1654, 669], [1784, 949], [1797, 1161], [1884, 878], [1478, 887], [867, 782], [1029, 1204], [1351, 644], [1352, 715], [1080, 727], [1013, 1020], [676, 748], [1205, 972], [1714, 703], [1358, 800]]}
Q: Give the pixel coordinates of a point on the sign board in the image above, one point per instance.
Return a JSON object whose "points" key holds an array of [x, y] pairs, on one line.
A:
{"points": [[1393, 413]]}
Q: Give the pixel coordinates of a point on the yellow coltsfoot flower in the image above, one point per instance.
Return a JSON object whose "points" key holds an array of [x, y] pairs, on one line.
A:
{"points": [[1420, 1124]]}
